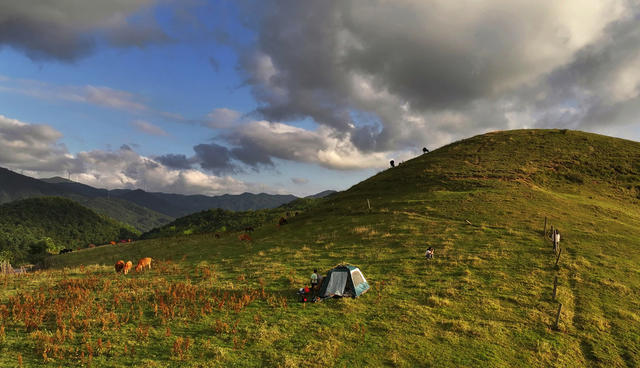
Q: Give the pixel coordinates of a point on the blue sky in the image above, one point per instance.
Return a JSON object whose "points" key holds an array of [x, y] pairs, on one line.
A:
{"points": [[296, 97]]}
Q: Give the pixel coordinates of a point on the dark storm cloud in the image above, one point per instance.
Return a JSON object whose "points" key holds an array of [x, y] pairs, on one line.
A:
{"points": [[214, 157], [67, 30], [43, 40], [175, 161], [429, 72], [252, 156]]}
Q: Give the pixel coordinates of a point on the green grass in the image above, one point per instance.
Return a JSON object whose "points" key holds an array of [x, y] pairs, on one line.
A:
{"points": [[484, 300]]}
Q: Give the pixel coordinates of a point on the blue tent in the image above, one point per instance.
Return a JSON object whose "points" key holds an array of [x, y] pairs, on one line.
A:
{"points": [[343, 280]]}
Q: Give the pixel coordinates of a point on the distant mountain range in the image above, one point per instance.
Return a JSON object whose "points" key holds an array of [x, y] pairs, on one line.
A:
{"points": [[142, 210]]}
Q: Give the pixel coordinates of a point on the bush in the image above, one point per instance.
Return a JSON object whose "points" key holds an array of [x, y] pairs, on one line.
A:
{"points": [[6, 256], [574, 178]]}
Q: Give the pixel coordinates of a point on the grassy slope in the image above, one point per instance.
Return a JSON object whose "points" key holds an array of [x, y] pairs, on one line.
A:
{"points": [[141, 218], [220, 220], [485, 300]]}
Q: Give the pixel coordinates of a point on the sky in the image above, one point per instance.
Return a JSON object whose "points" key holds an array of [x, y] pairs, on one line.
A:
{"points": [[215, 97]]}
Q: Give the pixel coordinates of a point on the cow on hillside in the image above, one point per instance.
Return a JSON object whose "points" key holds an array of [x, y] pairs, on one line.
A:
{"points": [[119, 266], [127, 267], [143, 263]]}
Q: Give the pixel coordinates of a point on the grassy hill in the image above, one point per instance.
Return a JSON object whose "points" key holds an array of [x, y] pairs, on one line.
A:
{"points": [[484, 300], [31, 227], [217, 220]]}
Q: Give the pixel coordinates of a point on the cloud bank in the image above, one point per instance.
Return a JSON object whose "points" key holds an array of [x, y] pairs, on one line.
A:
{"points": [[35, 148], [378, 77]]}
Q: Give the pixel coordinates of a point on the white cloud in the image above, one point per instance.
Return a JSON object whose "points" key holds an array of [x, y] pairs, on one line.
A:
{"points": [[259, 141], [148, 128], [222, 118], [94, 95], [112, 98], [32, 146]]}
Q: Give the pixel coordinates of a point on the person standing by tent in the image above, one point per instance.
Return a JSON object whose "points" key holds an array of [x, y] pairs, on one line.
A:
{"points": [[314, 281]]}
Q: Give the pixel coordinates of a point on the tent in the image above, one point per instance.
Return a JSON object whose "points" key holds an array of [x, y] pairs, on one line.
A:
{"points": [[343, 280]]}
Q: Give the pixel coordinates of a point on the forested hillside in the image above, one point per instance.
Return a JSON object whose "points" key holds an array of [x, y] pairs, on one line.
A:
{"points": [[32, 228]]}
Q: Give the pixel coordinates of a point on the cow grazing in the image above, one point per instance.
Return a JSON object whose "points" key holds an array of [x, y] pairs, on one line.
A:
{"points": [[282, 221], [119, 266], [92, 245], [243, 237], [143, 263], [248, 228], [217, 235], [66, 250], [127, 267]]}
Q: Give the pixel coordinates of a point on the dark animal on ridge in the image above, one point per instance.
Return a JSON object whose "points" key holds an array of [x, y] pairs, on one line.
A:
{"points": [[66, 250]]}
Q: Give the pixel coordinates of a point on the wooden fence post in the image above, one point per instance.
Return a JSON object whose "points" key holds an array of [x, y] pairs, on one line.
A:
{"points": [[558, 316], [558, 258], [555, 286], [368, 204]]}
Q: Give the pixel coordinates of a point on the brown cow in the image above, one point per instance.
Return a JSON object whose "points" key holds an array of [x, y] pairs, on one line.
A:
{"points": [[282, 221], [143, 263], [127, 267], [119, 266], [244, 237]]}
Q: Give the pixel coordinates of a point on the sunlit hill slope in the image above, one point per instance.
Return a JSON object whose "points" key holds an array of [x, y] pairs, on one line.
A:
{"points": [[484, 300]]}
